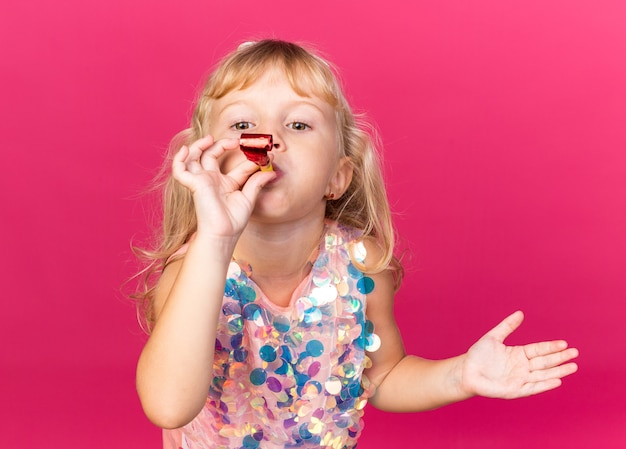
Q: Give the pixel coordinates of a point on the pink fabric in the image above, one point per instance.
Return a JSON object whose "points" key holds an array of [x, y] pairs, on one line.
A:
{"points": [[173, 439]]}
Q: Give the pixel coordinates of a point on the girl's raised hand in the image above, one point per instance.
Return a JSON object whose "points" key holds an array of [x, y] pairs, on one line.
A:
{"points": [[223, 201], [495, 370]]}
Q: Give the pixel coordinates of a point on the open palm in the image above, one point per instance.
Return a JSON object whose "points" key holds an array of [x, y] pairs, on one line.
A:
{"points": [[495, 370]]}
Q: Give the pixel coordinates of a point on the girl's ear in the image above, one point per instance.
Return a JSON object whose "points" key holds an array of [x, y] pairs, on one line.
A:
{"points": [[340, 181]]}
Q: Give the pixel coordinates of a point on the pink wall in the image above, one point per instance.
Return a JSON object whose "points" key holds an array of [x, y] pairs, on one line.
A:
{"points": [[505, 135]]}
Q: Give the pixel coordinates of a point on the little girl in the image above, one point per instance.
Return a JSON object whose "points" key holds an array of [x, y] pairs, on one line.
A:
{"points": [[271, 324]]}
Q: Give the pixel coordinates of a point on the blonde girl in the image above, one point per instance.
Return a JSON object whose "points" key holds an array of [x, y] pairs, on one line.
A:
{"points": [[271, 323]]}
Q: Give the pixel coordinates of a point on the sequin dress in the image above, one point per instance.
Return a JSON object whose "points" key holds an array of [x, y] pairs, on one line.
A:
{"points": [[290, 377]]}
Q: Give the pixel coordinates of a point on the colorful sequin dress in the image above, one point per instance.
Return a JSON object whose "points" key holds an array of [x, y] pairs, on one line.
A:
{"points": [[290, 377]]}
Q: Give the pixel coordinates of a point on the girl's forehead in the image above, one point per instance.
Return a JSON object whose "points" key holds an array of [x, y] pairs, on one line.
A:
{"points": [[274, 87], [303, 80], [275, 78]]}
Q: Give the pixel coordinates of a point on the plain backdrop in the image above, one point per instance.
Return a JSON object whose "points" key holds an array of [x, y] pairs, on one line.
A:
{"points": [[504, 130]]}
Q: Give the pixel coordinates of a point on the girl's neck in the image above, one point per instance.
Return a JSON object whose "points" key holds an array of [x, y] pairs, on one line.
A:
{"points": [[280, 256]]}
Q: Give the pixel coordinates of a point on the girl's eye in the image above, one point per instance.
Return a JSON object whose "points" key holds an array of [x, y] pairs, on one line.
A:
{"points": [[242, 126], [298, 126]]}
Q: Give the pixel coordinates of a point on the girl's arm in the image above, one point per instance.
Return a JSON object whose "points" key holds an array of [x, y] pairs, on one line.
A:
{"points": [[175, 366], [174, 369], [406, 383]]}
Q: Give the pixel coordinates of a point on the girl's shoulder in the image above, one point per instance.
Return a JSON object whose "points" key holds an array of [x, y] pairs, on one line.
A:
{"points": [[364, 250], [344, 233]]}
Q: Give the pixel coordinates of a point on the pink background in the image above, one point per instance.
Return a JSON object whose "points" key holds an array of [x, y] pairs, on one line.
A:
{"points": [[504, 123]]}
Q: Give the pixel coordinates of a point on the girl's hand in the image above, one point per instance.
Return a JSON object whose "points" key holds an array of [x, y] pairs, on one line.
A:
{"points": [[495, 370], [223, 201]]}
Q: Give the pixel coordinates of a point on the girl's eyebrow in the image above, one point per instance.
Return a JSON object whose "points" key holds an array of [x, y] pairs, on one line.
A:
{"points": [[287, 105], [229, 105], [308, 103]]}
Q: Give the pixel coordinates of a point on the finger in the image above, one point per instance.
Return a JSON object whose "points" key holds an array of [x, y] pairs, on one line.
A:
{"points": [[506, 326], [544, 348], [242, 171], [533, 388], [552, 359], [188, 156], [557, 372], [255, 184], [545, 380], [178, 161], [180, 169], [199, 146], [216, 149]]}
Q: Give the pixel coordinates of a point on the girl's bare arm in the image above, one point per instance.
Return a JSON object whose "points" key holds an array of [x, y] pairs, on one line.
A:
{"points": [[174, 369], [407, 383]]}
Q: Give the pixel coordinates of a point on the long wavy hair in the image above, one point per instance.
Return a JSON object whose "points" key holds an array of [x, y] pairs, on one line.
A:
{"points": [[364, 205]]}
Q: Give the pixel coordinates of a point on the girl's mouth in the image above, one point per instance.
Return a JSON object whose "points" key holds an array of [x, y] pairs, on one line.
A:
{"points": [[279, 174]]}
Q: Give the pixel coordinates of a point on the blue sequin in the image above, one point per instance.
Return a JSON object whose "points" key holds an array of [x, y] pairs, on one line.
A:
{"points": [[267, 353], [250, 442], [282, 324], [258, 376], [235, 340], [301, 379], [251, 311], [355, 389], [245, 294], [354, 271], [365, 285], [304, 432], [286, 353], [312, 316], [315, 348], [240, 354], [283, 368], [231, 287]]}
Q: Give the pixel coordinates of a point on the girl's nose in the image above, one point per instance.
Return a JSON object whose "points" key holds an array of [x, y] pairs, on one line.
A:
{"points": [[278, 143]]}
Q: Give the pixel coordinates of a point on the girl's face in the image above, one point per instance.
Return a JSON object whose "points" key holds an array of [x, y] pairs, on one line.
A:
{"points": [[306, 150]]}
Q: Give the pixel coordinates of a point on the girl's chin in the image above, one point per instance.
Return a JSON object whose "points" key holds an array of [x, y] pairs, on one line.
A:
{"points": [[274, 209], [268, 206]]}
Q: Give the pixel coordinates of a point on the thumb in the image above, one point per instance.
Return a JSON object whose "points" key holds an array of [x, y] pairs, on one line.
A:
{"points": [[255, 183], [506, 326]]}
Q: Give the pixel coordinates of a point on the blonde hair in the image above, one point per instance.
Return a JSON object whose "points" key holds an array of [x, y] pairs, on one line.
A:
{"points": [[364, 205]]}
